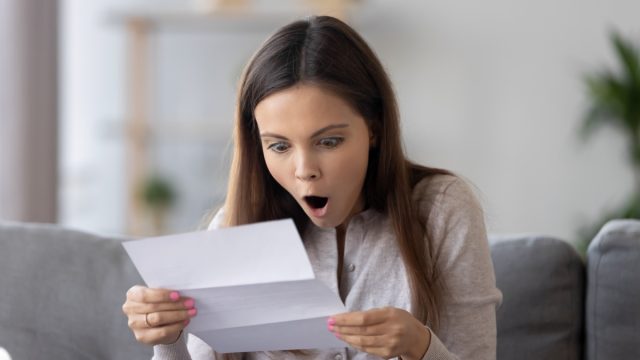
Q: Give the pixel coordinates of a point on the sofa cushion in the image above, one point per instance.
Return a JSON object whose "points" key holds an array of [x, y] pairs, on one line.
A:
{"points": [[542, 282], [613, 292], [61, 295]]}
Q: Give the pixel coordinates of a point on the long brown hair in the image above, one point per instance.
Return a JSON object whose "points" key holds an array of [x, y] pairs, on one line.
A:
{"points": [[326, 52]]}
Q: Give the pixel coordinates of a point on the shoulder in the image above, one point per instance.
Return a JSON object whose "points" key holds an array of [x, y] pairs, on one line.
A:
{"points": [[444, 193], [451, 213]]}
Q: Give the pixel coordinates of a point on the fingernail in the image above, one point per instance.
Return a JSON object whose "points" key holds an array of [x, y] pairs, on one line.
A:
{"points": [[192, 312], [174, 295], [331, 328], [337, 335], [189, 303], [186, 322], [331, 321]]}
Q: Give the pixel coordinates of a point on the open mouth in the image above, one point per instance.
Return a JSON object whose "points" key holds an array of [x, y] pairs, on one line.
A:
{"points": [[316, 202]]}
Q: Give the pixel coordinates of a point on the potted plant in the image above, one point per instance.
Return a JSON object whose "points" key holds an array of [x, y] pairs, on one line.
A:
{"points": [[158, 196], [614, 97]]}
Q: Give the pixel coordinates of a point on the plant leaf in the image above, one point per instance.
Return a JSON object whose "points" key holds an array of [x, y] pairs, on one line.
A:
{"points": [[607, 106], [629, 58]]}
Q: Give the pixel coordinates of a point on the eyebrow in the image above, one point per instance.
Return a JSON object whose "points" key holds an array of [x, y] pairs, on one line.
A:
{"points": [[318, 132]]}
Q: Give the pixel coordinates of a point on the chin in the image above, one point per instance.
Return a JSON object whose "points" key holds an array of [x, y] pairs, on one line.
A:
{"points": [[324, 223]]}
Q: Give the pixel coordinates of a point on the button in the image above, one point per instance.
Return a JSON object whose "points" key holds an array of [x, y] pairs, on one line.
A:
{"points": [[351, 268], [338, 357]]}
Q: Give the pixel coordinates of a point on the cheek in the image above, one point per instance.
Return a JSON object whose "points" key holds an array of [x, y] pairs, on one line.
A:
{"points": [[353, 167], [278, 170]]}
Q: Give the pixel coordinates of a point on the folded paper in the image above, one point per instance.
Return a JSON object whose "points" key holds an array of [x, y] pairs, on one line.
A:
{"points": [[253, 286]]}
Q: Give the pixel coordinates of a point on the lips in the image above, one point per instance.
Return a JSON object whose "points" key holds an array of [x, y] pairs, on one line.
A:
{"points": [[316, 202], [317, 205]]}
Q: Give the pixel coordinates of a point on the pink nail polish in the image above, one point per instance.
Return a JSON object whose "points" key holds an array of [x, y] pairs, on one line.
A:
{"points": [[186, 322], [192, 312], [174, 295], [331, 321], [331, 328], [337, 335], [189, 303]]}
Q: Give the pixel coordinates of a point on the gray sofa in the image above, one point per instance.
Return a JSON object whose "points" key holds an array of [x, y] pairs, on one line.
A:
{"points": [[61, 293]]}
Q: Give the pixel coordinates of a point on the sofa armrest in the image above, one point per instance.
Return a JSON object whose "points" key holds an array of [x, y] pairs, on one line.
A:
{"points": [[61, 293], [613, 292]]}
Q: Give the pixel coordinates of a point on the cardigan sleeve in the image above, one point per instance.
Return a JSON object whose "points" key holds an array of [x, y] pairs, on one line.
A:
{"points": [[458, 234], [188, 347]]}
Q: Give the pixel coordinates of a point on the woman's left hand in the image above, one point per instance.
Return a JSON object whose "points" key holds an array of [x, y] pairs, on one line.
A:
{"points": [[386, 332]]}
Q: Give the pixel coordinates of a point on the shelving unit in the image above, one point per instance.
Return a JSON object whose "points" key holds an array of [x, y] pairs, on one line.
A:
{"points": [[139, 24]]}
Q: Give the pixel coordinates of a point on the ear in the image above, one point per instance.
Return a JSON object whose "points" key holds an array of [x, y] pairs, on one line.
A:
{"points": [[372, 128], [373, 140]]}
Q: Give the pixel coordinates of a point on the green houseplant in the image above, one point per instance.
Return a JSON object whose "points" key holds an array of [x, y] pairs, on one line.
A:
{"points": [[158, 195], [614, 100]]}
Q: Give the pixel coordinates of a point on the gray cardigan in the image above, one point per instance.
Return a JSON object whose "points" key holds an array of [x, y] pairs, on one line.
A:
{"points": [[374, 277]]}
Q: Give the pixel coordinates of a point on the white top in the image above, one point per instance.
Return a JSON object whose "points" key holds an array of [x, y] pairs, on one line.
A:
{"points": [[374, 276]]}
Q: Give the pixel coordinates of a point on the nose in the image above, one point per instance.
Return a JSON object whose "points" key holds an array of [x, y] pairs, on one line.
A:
{"points": [[307, 168]]}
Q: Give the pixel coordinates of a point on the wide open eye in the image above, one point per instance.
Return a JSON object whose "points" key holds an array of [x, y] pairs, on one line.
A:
{"points": [[330, 142], [278, 147]]}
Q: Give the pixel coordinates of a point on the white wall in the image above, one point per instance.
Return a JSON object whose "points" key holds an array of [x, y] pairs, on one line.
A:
{"points": [[491, 90]]}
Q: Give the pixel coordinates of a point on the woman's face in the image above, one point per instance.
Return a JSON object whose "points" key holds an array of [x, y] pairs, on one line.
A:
{"points": [[317, 148]]}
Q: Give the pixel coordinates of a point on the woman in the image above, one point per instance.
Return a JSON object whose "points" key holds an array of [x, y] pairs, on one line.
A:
{"points": [[317, 139]]}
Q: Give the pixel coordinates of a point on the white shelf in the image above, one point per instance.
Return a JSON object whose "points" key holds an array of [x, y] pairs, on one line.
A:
{"points": [[228, 19], [179, 130]]}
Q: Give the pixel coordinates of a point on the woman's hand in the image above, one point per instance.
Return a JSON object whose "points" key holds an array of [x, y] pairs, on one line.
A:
{"points": [[386, 332], [157, 316]]}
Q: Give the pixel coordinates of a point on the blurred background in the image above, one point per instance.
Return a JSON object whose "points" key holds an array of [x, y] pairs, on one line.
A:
{"points": [[116, 115]]}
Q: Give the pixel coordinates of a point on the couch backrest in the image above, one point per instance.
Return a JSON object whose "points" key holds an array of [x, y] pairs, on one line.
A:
{"points": [[542, 282], [613, 300], [61, 293]]}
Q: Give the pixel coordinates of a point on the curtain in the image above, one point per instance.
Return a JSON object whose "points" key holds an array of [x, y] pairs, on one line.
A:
{"points": [[28, 110]]}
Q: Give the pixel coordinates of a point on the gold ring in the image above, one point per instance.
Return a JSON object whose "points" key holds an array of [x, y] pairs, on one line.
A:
{"points": [[146, 320]]}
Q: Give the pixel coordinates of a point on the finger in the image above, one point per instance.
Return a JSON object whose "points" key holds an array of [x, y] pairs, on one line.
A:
{"points": [[144, 294], [134, 307], [161, 335], [365, 341], [160, 319], [372, 330], [375, 345], [359, 318]]}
